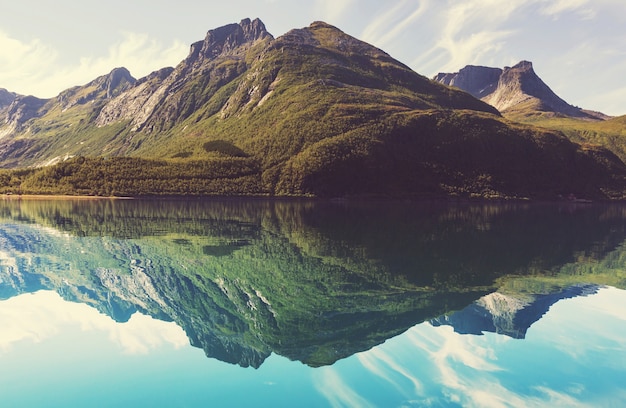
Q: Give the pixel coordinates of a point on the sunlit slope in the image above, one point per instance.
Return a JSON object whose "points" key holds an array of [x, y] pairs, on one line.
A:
{"points": [[610, 134]]}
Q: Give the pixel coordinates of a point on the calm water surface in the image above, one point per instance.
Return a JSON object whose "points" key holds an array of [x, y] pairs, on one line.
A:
{"points": [[275, 303]]}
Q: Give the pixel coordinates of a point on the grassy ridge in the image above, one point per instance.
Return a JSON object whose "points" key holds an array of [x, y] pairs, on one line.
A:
{"points": [[610, 134]]}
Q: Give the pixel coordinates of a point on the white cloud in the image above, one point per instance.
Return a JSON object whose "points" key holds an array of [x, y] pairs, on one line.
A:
{"points": [[23, 71], [336, 391], [376, 360], [21, 62], [470, 32], [554, 8], [385, 28], [44, 315], [465, 367], [331, 10]]}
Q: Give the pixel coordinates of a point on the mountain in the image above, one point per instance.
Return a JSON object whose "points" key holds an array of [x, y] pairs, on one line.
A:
{"points": [[510, 315], [314, 112], [34, 129], [514, 91]]}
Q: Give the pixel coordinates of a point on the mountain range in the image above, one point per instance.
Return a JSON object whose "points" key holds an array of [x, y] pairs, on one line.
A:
{"points": [[314, 112]]}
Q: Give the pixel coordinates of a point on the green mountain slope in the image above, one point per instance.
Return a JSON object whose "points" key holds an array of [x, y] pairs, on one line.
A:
{"points": [[609, 134], [314, 112]]}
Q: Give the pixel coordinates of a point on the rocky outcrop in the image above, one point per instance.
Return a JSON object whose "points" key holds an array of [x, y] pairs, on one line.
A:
{"points": [[131, 103], [516, 89], [476, 80], [6, 98], [22, 109]]}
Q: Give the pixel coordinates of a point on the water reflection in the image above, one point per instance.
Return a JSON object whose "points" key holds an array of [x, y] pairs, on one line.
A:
{"points": [[315, 282]]}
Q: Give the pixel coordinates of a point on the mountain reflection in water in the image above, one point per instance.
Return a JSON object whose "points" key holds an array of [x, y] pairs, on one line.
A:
{"points": [[311, 281]]}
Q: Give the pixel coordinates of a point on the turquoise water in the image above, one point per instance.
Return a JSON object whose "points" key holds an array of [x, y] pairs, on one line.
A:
{"points": [[234, 303]]}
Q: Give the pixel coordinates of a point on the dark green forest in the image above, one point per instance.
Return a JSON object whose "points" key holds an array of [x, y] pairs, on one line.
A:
{"points": [[124, 176]]}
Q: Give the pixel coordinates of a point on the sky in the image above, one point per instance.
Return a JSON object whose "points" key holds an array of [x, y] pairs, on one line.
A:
{"points": [[578, 47]]}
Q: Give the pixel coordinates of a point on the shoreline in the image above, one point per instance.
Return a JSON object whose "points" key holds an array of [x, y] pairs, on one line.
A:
{"points": [[58, 197], [335, 200]]}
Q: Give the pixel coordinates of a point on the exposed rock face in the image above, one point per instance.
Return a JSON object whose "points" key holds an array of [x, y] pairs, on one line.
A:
{"points": [[6, 97], [130, 103], [19, 111], [512, 90], [520, 84], [478, 81], [167, 96], [114, 83]]}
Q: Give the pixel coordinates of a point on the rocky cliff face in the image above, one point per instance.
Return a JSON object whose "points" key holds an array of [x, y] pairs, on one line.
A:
{"points": [[516, 89], [6, 98], [478, 81], [22, 109]]}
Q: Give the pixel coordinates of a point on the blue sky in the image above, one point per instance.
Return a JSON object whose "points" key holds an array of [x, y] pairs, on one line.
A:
{"points": [[578, 47]]}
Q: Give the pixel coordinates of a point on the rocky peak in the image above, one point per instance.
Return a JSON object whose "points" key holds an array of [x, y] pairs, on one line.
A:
{"points": [[228, 39], [6, 97], [167, 94], [520, 84], [25, 107], [104, 87], [512, 89], [510, 315], [116, 82], [113, 83], [332, 37]]}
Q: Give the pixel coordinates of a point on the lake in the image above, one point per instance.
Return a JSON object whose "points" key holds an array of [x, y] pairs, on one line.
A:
{"points": [[232, 303]]}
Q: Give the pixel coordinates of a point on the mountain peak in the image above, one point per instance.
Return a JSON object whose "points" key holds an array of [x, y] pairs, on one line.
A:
{"points": [[321, 24], [6, 97], [512, 90], [523, 65], [228, 39], [115, 82]]}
